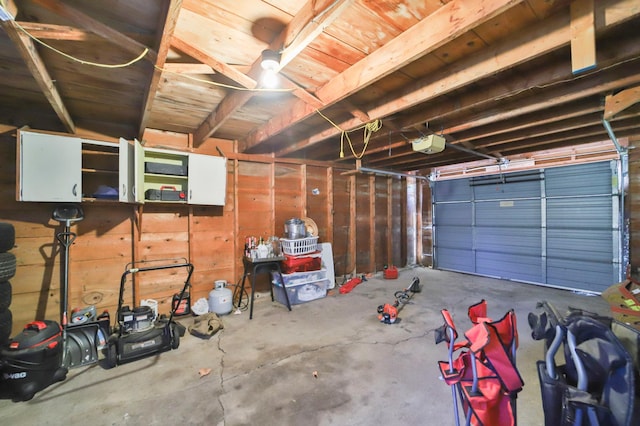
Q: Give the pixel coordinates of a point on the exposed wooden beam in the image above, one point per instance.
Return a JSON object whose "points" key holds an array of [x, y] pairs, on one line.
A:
{"points": [[445, 24], [10, 7], [549, 35], [45, 31], [540, 118], [613, 104], [583, 35], [593, 133], [287, 38], [170, 17], [300, 93], [610, 80], [97, 27], [201, 55], [38, 70]]}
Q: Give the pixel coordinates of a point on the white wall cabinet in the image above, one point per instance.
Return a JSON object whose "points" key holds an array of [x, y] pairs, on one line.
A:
{"points": [[49, 168], [179, 177], [60, 168]]}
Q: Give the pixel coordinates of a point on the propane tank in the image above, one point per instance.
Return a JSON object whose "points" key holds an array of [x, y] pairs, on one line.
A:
{"points": [[220, 298]]}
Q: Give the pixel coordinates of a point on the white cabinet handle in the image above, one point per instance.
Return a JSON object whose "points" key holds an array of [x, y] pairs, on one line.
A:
{"points": [[75, 190]]}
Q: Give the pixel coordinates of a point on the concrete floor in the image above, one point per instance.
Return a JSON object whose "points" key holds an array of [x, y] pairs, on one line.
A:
{"points": [[262, 369]]}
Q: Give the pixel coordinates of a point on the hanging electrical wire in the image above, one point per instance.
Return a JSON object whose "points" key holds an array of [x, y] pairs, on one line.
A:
{"points": [[82, 61], [138, 58], [369, 129]]}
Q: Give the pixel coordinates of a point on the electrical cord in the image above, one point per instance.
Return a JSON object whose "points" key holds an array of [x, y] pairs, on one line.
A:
{"points": [[82, 61], [369, 128], [138, 58]]}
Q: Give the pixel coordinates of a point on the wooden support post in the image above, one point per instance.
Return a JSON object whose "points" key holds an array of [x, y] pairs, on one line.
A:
{"points": [[389, 238], [351, 255], [583, 36], [330, 207], [372, 223]]}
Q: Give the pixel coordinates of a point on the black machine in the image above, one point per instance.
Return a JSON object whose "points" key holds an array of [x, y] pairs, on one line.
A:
{"points": [[42, 353], [33, 360], [138, 333]]}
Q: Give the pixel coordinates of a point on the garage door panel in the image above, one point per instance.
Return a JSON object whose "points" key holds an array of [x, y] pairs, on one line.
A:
{"points": [[452, 190], [455, 259], [584, 275], [457, 237], [583, 179], [505, 213], [513, 185], [509, 240], [452, 214], [509, 265], [580, 212], [588, 245]]}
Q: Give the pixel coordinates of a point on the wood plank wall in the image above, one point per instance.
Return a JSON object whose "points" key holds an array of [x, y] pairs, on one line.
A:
{"points": [[360, 215]]}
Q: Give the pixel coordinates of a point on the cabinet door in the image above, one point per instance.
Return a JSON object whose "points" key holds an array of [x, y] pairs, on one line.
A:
{"points": [[126, 171], [138, 172], [50, 168], [207, 179]]}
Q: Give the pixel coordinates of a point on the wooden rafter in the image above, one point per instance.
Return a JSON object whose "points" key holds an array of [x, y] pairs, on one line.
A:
{"points": [[197, 53], [325, 11], [613, 104], [168, 26], [38, 70], [308, 24], [550, 35], [448, 22], [97, 27]]}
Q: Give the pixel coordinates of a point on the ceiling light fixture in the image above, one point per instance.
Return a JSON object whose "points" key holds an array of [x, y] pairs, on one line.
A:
{"points": [[270, 65]]}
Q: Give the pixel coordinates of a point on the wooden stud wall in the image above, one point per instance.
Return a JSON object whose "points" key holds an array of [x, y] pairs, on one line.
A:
{"points": [[261, 195]]}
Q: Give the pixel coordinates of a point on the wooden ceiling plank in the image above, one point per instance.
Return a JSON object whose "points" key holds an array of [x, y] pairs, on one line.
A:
{"points": [[450, 21], [550, 35], [288, 37], [167, 27], [613, 104], [186, 68], [38, 70], [583, 36], [306, 26], [97, 27]]}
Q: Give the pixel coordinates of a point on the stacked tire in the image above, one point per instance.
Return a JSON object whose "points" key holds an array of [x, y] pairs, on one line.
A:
{"points": [[7, 271]]}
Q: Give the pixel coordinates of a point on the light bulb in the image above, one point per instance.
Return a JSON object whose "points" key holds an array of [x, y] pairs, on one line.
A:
{"points": [[269, 79]]}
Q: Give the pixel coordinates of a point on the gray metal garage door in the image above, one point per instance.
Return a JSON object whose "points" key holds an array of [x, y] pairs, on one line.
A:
{"points": [[558, 226]]}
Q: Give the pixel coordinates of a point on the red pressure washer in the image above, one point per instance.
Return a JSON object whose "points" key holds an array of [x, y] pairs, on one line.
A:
{"points": [[388, 313]]}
